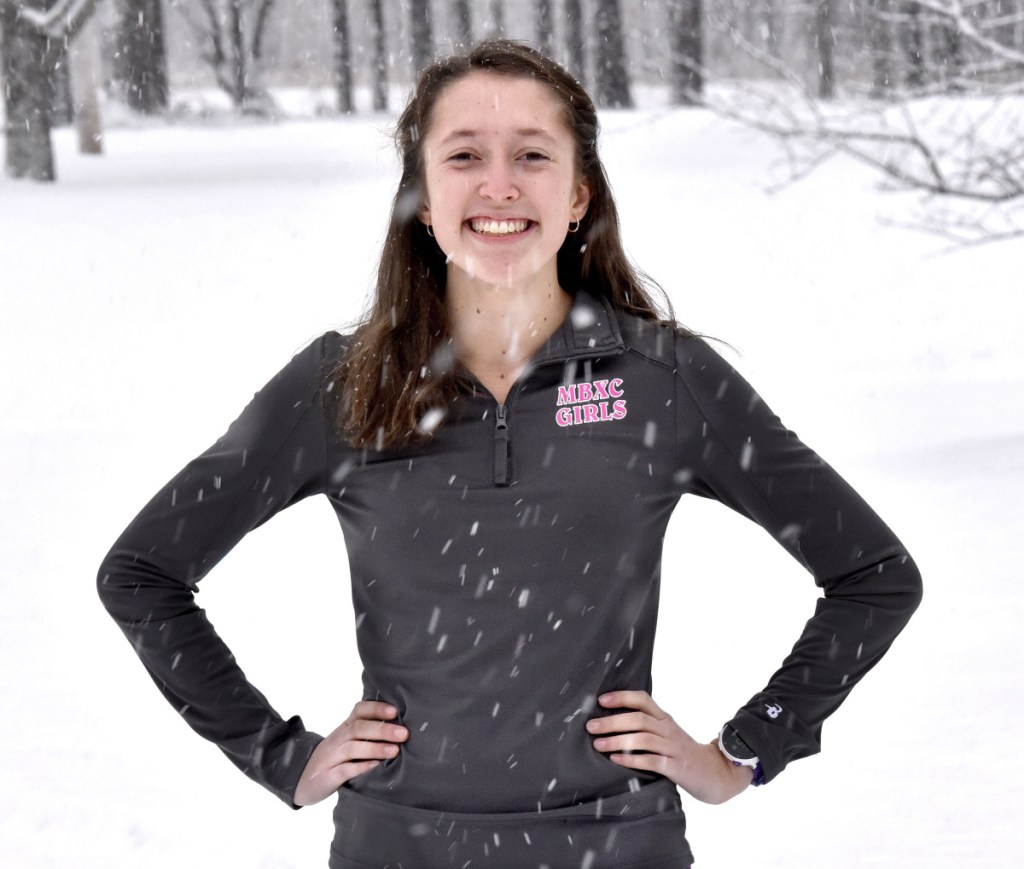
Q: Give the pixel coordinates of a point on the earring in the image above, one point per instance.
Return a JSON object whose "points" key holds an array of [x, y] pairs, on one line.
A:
{"points": [[430, 230], [575, 228]]}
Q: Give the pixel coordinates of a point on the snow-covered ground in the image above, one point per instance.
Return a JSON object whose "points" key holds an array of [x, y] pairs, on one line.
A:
{"points": [[150, 292]]}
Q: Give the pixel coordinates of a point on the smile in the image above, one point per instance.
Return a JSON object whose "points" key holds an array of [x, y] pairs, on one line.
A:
{"points": [[488, 226]]}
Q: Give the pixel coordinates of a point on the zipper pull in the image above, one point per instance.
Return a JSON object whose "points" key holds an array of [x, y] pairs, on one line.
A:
{"points": [[501, 445]]}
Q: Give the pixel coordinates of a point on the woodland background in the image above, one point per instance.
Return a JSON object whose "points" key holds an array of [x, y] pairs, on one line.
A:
{"points": [[926, 91]]}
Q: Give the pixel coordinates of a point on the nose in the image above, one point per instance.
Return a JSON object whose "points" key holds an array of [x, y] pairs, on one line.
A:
{"points": [[498, 184]]}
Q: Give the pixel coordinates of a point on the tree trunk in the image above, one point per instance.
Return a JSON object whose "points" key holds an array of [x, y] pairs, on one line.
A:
{"points": [[62, 112], [879, 39], [497, 18], [575, 48], [824, 43], [912, 44], [422, 34], [1018, 29], [772, 22], [463, 23], [237, 73], [610, 60], [342, 58], [380, 56], [84, 56], [140, 59], [545, 26], [686, 39], [949, 55], [28, 59]]}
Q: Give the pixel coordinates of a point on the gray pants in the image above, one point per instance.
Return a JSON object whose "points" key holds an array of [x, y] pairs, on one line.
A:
{"points": [[645, 829]]}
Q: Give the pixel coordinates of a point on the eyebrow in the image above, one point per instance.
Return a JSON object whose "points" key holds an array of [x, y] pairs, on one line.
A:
{"points": [[525, 132]]}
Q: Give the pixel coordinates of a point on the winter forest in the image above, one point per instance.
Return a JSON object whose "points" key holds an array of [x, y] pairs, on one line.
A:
{"points": [[925, 91], [195, 189]]}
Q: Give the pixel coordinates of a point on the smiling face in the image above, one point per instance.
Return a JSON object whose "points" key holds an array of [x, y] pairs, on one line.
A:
{"points": [[502, 184]]}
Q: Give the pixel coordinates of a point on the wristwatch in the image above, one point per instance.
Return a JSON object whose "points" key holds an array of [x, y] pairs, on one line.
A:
{"points": [[739, 753]]}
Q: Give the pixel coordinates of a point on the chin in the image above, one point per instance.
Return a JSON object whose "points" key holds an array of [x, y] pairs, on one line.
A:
{"points": [[495, 273]]}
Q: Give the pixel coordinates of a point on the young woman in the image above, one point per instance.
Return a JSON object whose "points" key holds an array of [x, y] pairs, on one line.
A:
{"points": [[503, 440]]}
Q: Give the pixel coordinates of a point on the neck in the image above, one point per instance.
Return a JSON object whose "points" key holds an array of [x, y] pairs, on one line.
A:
{"points": [[497, 330]]}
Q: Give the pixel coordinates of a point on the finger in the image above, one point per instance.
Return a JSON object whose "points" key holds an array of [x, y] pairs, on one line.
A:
{"points": [[318, 785], [626, 722], [631, 742], [328, 781], [359, 750], [647, 762], [375, 709], [358, 768], [363, 728], [631, 700]]}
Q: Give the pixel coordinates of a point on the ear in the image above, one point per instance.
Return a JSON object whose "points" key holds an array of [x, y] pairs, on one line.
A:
{"points": [[424, 214], [581, 202]]}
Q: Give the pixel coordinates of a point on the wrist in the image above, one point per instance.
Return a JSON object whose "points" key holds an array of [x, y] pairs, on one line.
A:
{"points": [[735, 751], [728, 780]]}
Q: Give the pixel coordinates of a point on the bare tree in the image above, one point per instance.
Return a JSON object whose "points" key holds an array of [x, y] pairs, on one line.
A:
{"points": [[686, 40], [880, 48], [543, 14], [232, 33], [28, 60], [497, 17], [139, 65], [422, 30], [949, 55], [31, 31], [342, 57], [771, 25], [610, 72], [911, 36], [463, 23], [380, 58], [824, 43], [575, 45], [965, 158], [85, 65], [62, 112]]}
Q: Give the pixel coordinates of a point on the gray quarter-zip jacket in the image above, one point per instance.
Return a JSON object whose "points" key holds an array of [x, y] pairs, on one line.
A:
{"points": [[507, 573]]}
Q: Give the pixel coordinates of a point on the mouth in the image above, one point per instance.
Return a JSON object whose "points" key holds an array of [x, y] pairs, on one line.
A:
{"points": [[490, 226]]}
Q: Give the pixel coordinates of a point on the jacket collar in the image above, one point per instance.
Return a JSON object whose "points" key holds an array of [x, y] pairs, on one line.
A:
{"points": [[591, 329]]}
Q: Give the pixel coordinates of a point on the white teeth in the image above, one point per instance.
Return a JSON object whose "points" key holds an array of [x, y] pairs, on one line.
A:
{"points": [[499, 227]]}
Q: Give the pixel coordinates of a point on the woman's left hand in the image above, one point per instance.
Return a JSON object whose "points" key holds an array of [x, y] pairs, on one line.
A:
{"points": [[699, 769]]}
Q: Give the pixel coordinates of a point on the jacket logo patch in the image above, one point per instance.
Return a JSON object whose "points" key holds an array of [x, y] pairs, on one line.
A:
{"points": [[581, 403]]}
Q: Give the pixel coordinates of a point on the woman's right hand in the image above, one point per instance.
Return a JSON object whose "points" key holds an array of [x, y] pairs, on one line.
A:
{"points": [[362, 741]]}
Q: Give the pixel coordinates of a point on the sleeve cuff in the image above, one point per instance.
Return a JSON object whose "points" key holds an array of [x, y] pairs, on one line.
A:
{"points": [[774, 734]]}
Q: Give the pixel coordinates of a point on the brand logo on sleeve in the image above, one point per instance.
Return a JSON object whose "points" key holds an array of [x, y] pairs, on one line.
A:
{"points": [[773, 710], [582, 403]]}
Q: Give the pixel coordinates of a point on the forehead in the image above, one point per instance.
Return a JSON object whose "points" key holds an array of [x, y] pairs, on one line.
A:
{"points": [[486, 103]]}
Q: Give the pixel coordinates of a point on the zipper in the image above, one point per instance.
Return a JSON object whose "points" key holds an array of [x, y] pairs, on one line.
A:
{"points": [[502, 440], [501, 445]]}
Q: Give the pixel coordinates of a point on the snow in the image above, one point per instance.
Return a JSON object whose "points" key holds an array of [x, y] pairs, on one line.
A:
{"points": [[151, 291]]}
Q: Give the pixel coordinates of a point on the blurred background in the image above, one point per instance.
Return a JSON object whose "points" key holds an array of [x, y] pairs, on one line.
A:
{"points": [[868, 78]]}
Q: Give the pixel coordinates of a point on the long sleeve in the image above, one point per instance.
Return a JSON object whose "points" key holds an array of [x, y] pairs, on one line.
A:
{"points": [[734, 449], [272, 456]]}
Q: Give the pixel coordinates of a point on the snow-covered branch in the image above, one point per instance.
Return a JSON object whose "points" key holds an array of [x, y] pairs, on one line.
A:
{"points": [[62, 20], [955, 13], [944, 119]]}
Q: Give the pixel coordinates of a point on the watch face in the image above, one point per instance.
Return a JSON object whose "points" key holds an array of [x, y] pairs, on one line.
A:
{"points": [[735, 746]]}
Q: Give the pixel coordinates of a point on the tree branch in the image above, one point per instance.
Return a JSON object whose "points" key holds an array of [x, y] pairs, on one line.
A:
{"points": [[62, 20]]}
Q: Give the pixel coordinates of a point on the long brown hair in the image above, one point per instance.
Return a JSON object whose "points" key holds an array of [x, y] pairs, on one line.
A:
{"points": [[399, 365]]}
